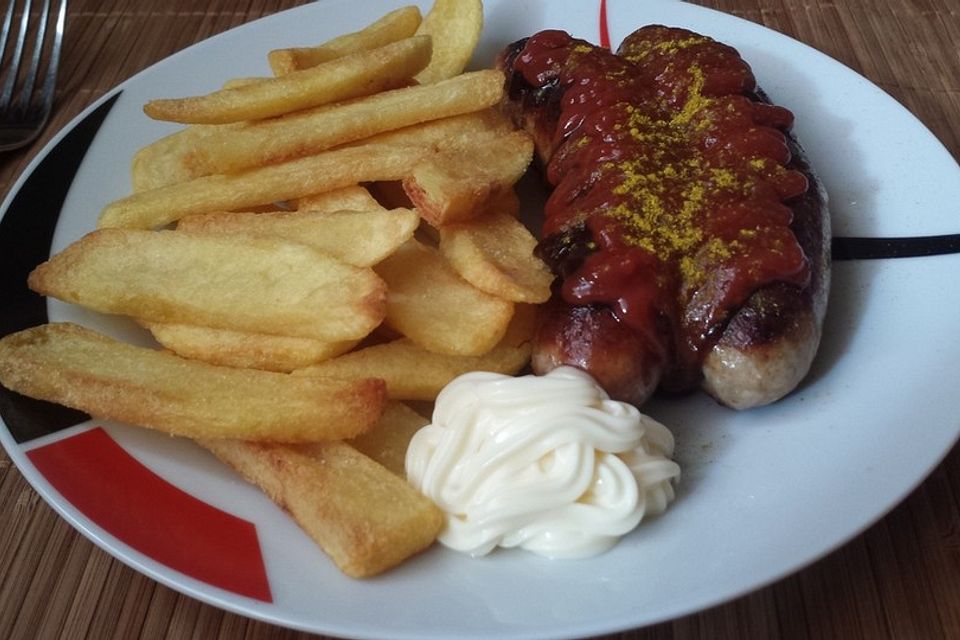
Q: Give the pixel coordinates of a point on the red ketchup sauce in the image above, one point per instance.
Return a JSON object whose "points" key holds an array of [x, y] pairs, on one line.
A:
{"points": [[670, 180]]}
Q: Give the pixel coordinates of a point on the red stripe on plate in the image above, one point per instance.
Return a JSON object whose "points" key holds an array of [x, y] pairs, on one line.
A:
{"points": [[604, 31], [118, 493]]}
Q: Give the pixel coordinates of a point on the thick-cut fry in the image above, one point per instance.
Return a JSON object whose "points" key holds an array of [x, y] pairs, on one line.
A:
{"points": [[179, 157], [241, 283], [245, 349], [430, 304], [392, 194], [456, 132], [494, 253], [392, 27], [362, 515], [386, 443], [358, 74], [280, 139], [360, 238], [276, 183], [355, 198], [460, 184], [413, 373], [236, 83], [169, 160], [455, 26], [82, 369]]}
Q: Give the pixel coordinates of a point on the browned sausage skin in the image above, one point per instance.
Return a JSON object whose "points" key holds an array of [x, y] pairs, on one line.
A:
{"points": [[688, 232]]}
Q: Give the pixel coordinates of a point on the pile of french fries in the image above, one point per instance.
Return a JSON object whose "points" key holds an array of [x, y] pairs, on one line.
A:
{"points": [[311, 250]]}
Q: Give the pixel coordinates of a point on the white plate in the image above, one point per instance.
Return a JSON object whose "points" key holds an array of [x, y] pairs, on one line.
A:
{"points": [[763, 492]]}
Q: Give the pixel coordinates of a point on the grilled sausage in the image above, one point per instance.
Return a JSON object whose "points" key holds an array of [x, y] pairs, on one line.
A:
{"points": [[688, 232]]}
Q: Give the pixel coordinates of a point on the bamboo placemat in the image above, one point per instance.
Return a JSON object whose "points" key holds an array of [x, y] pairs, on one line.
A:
{"points": [[899, 579]]}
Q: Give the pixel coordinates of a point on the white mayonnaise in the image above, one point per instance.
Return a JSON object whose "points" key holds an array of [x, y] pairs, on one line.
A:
{"points": [[547, 463]]}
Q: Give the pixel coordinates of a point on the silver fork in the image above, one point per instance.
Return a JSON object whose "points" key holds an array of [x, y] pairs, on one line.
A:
{"points": [[24, 104]]}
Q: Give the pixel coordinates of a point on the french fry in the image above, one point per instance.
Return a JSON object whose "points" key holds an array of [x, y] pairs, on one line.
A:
{"points": [[234, 149], [362, 515], [241, 283], [168, 160], [359, 238], [236, 83], [386, 443], [82, 369], [413, 373], [455, 132], [358, 74], [393, 195], [173, 159], [455, 26], [275, 183], [244, 349], [494, 253], [396, 25], [460, 184], [430, 304], [354, 198]]}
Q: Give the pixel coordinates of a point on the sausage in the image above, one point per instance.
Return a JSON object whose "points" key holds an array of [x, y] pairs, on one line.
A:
{"points": [[689, 234], [590, 337], [769, 344]]}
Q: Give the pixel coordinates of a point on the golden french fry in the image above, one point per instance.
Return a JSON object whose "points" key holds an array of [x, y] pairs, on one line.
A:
{"points": [[236, 83], [270, 207], [244, 349], [494, 253], [460, 184], [241, 283], [413, 373], [455, 132], [396, 25], [307, 132], [386, 443], [82, 369], [455, 27], [275, 183], [360, 238], [168, 160], [353, 75], [354, 198], [393, 195], [362, 515], [430, 304]]}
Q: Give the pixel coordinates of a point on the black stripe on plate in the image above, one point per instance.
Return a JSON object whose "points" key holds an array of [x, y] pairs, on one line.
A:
{"points": [[26, 233], [906, 247]]}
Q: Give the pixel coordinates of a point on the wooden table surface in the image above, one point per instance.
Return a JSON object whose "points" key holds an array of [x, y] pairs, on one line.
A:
{"points": [[900, 579]]}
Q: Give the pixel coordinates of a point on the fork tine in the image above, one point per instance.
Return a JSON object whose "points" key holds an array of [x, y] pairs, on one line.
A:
{"points": [[14, 65], [50, 80], [31, 76], [21, 124], [5, 32]]}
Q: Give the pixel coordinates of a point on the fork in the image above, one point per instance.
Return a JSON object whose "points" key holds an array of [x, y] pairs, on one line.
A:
{"points": [[24, 104]]}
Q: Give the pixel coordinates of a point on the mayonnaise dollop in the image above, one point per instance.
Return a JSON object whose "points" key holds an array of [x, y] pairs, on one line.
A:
{"points": [[547, 463]]}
